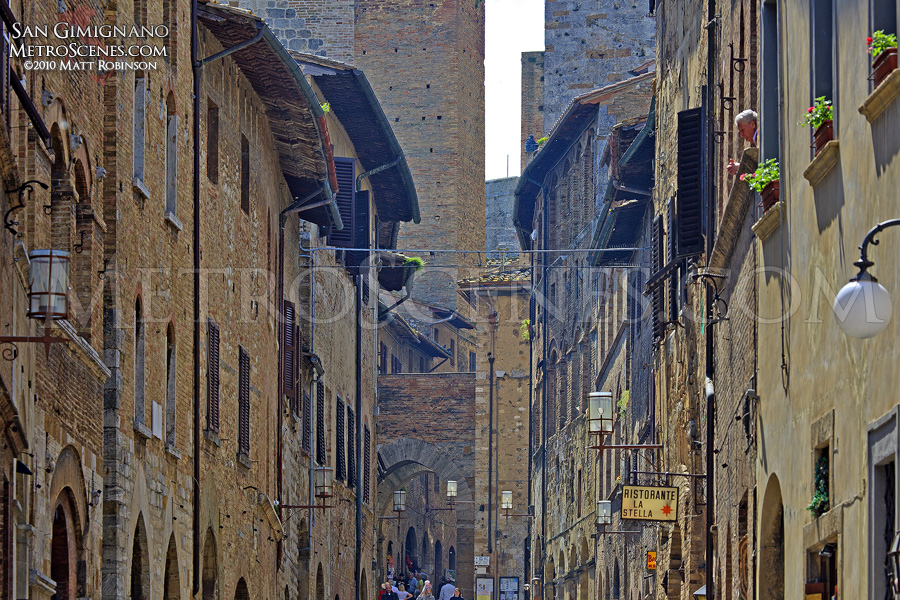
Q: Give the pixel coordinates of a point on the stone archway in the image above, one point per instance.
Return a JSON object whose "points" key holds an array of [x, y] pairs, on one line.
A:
{"points": [[171, 582], [771, 543], [407, 458]]}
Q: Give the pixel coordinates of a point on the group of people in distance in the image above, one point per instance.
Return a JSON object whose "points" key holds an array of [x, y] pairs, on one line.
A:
{"points": [[417, 588]]}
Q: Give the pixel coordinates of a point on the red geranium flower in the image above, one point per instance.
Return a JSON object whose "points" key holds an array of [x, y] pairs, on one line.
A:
{"points": [[868, 40], [810, 109], [743, 175]]}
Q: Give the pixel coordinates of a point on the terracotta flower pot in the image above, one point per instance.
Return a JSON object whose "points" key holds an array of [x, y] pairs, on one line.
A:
{"points": [[769, 195], [823, 134], [883, 64]]}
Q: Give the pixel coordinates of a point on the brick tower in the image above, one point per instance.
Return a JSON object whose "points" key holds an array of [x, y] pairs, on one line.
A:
{"points": [[425, 60]]}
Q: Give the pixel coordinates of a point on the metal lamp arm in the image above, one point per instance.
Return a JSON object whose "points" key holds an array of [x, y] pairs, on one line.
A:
{"points": [[864, 263]]}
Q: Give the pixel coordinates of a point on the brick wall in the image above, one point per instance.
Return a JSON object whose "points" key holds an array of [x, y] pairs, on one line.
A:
{"points": [[499, 199], [532, 99]]}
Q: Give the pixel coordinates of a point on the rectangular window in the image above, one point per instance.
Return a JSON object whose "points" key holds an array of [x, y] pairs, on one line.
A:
{"points": [[770, 86], [396, 364], [212, 141], [320, 423], [382, 358], [884, 16], [367, 462], [822, 38], [341, 467], [171, 157], [212, 378], [243, 402], [245, 175], [171, 400], [137, 141], [351, 448], [578, 498], [472, 362], [452, 352], [289, 356]]}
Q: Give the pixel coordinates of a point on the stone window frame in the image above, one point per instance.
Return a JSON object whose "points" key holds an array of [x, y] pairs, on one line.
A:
{"points": [[883, 439]]}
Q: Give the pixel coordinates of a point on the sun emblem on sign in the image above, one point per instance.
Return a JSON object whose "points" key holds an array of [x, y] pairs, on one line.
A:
{"points": [[666, 510]]}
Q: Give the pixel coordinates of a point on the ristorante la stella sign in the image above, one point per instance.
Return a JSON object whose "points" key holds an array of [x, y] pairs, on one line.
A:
{"points": [[647, 503]]}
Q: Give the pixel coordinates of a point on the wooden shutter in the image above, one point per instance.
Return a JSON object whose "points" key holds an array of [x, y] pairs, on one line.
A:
{"points": [[243, 402], [657, 298], [671, 244], [320, 423], [345, 169], [691, 181], [361, 238], [563, 405], [339, 434], [351, 448], [212, 378], [306, 435], [289, 359], [367, 462]]}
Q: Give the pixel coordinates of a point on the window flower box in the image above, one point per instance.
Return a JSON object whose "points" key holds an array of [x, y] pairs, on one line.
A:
{"points": [[823, 134], [770, 195], [883, 48], [397, 271]]}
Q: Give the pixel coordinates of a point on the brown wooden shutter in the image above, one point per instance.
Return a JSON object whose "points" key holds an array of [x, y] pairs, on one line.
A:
{"points": [[657, 298], [671, 243], [243, 402], [351, 448], [691, 181], [367, 462], [345, 201], [212, 378], [361, 237], [320, 423], [307, 423], [339, 435], [289, 359]]}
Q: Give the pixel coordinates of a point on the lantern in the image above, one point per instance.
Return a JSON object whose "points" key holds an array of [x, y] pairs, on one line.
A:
{"points": [[49, 282], [324, 482], [452, 489], [506, 500], [600, 413], [604, 512], [399, 501]]}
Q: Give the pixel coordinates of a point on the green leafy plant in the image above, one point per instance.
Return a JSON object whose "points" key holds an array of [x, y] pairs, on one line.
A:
{"points": [[622, 404], [525, 329], [767, 172], [326, 107], [413, 261], [542, 140], [880, 41], [819, 504], [818, 113]]}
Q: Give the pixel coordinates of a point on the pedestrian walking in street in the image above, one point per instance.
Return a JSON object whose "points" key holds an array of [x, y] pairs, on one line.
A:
{"points": [[402, 593], [447, 591], [426, 592], [457, 595]]}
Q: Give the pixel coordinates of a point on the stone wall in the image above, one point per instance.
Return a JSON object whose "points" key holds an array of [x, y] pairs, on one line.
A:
{"points": [[589, 45], [532, 99], [500, 233]]}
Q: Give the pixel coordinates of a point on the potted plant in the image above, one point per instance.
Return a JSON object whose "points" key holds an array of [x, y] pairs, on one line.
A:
{"points": [[397, 270], [765, 181], [820, 116], [883, 48]]}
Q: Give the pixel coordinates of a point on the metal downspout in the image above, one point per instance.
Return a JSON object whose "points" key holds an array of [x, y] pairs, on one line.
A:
{"points": [[357, 433]]}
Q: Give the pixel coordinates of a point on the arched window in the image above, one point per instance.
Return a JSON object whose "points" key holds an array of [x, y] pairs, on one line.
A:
{"points": [[171, 584], [140, 563], [139, 125], [171, 157], [451, 558], [241, 592], [170, 385], [438, 561], [210, 567], [140, 412]]}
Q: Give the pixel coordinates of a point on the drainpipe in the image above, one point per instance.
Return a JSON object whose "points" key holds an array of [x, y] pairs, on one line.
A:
{"points": [[358, 430], [528, 544]]}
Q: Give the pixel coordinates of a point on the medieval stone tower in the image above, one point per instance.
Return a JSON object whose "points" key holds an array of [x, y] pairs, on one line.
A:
{"points": [[425, 61]]}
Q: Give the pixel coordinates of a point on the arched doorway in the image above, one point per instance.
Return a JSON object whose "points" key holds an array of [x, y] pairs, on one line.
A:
{"points": [[241, 592], [140, 562], [363, 586], [320, 583], [171, 585], [423, 559], [410, 558], [451, 558], [303, 553], [771, 543], [61, 556], [210, 567], [438, 561], [616, 585]]}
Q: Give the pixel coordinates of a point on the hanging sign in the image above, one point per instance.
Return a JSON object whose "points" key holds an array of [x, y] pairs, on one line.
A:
{"points": [[651, 560], [648, 503]]}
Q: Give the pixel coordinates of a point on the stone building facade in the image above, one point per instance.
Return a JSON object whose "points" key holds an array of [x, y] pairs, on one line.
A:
{"points": [[583, 202], [500, 235]]}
